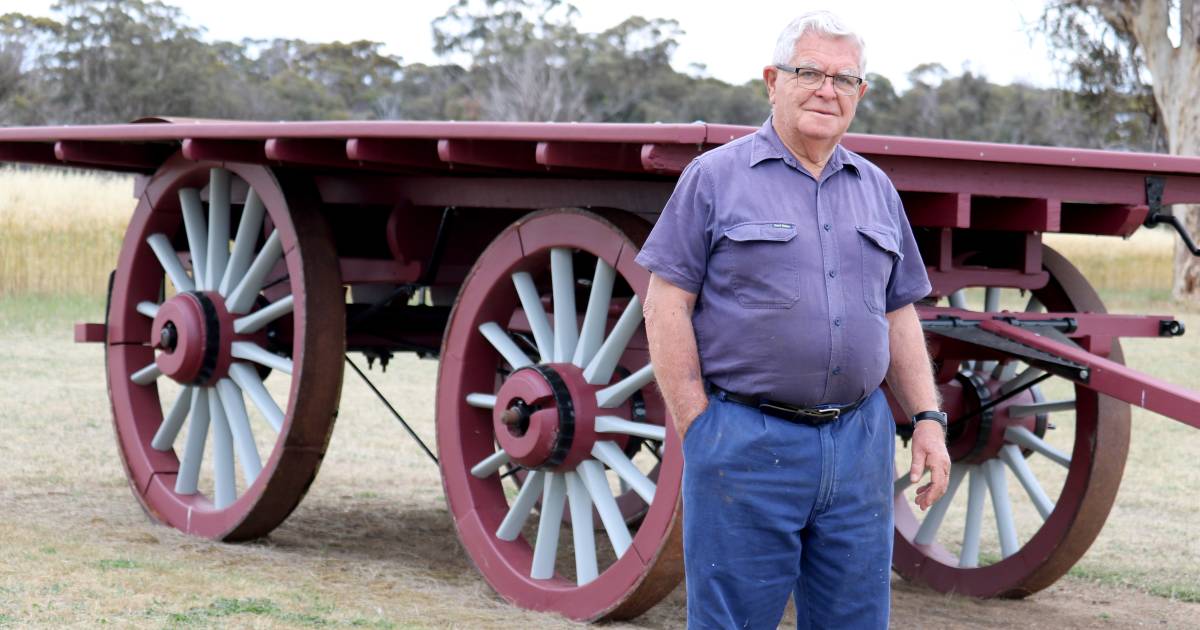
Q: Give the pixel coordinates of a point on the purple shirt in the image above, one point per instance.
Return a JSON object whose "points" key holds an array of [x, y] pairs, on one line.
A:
{"points": [[793, 275]]}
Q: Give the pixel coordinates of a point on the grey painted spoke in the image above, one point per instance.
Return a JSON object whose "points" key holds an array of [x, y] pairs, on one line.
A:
{"points": [[592, 473], [521, 507], [242, 297], [901, 484], [958, 299], [258, 319], [997, 483], [535, 314], [490, 464], [927, 533], [248, 379], [601, 367], [504, 344], [169, 260], [545, 550], [482, 401], [243, 244], [595, 318], [968, 557], [584, 535], [251, 351], [1027, 376], [1023, 437], [239, 427], [614, 458], [1032, 409], [1034, 305], [991, 299], [613, 424], [197, 233], [619, 392], [218, 227], [164, 438], [149, 309], [224, 476], [193, 451], [562, 281], [146, 375], [1011, 454]]}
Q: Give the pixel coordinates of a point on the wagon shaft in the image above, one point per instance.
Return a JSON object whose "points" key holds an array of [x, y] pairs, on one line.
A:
{"points": [[261, 253]]}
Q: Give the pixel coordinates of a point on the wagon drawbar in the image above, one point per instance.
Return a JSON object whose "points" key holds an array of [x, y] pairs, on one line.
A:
{"points": [[261, 254]]}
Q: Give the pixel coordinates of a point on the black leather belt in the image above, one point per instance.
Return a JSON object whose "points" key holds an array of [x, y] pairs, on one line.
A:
{"points": [[813, 416]]}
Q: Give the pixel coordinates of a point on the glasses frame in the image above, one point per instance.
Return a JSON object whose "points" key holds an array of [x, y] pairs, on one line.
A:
{"points": [[795, 71]]}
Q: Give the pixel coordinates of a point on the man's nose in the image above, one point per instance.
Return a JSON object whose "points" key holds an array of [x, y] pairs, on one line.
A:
{"points": [[826, 88]]}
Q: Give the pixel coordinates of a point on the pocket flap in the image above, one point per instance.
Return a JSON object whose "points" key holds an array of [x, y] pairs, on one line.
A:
{"points": [[762, 231], [883, 240]]}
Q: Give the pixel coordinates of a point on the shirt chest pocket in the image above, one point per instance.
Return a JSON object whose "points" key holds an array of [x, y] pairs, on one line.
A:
{"points": [[763, 264], [880, 252]]}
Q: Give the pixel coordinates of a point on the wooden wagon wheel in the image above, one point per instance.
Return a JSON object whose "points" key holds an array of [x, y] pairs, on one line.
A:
{"points": [[197, 327], [563, 395], [1067, 471]]}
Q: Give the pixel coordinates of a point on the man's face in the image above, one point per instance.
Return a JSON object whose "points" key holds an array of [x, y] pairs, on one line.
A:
{"points": [[823, 113]]}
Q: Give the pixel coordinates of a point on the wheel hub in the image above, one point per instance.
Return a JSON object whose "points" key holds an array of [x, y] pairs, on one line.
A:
{"points": [[545, 417], [194, 333], [981, 436]]}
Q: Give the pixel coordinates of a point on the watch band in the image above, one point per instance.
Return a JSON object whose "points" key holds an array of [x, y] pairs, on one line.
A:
{"points": [[939, 416]]}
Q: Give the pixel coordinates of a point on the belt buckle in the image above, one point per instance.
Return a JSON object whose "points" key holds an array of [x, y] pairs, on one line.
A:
{"points": [[823, 414]]}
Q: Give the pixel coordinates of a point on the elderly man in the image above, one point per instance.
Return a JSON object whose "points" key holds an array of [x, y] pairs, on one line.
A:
{"points": [[783, 276]]}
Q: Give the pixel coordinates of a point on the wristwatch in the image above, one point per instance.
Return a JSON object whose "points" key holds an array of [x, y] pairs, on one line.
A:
{"points": [[939, 416]]}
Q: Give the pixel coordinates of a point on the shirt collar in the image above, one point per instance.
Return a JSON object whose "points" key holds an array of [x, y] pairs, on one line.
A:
{"points": [[766, 145]]}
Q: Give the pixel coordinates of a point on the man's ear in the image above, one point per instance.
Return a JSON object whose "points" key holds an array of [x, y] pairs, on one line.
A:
{"points": [[770, 74]]}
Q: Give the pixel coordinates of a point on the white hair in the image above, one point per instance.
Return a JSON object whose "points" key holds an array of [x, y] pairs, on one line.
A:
{"points": [[821, 23]]}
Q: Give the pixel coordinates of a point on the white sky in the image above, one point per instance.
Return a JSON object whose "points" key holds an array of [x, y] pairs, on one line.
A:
{"points": [[733, 40]]}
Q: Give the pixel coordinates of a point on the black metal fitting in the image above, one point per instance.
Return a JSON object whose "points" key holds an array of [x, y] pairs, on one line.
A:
{"points": [[1157, 216], [1170, 328]]}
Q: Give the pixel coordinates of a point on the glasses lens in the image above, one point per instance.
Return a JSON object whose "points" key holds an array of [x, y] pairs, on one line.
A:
{"points": [[845, 84], [809, 78]]}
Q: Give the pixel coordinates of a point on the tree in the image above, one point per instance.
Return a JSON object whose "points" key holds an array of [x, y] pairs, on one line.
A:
{"points": [[1125, 47]]}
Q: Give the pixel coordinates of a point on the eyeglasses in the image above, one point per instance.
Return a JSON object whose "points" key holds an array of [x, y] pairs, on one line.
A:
{"points": [[812, 79]]}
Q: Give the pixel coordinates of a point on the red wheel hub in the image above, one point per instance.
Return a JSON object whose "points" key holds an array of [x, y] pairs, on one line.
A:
{"points": [[981, 436], [545, 417], [194, 332]]}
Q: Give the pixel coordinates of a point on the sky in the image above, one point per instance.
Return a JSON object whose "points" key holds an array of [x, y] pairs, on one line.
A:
{"points": [[990, 37]]}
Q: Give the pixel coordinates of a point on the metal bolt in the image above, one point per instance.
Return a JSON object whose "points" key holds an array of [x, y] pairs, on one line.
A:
{"points": [[168, 338]]}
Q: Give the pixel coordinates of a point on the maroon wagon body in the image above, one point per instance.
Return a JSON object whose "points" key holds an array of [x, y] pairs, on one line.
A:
{"points": [[458, 209]]}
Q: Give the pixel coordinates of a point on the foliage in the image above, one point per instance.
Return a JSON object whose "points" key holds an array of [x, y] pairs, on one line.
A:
{"points": [[118, 60]]}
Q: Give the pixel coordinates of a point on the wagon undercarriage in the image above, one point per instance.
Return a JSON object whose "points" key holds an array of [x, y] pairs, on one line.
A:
{"points": [[261, 254]]}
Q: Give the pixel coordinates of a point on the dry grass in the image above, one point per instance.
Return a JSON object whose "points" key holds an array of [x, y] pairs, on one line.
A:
{"points": [[60, 230], [372, 545]]}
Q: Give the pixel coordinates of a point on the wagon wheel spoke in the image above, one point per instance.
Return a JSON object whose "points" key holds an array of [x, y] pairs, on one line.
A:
{"points": [[591, 333], [1015, 461], [164, 438], [243, 244], [253, 352], [1028, 439], [504, 344], [592, 473], [197, 233], [599, 370], [249, 381], [165, 252], [218, 228], [490, 464], [562, 280], [189, 468], [620, 391], [531, 302], [545, 549], [976, 494], [584, 537]]}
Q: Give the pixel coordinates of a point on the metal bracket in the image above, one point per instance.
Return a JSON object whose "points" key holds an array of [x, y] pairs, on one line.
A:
{"points": [[1157, 216]]}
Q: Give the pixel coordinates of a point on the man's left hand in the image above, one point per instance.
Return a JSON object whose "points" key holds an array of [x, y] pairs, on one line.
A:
{"points": [[929, 453]]}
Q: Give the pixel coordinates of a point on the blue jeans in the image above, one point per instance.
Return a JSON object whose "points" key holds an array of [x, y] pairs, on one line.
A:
{"points": [[772, 508]]}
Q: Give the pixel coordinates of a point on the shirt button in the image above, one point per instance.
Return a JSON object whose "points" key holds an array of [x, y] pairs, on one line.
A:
{"points": [[827, 227], [837, 322], [837, 370], [832, 273]]}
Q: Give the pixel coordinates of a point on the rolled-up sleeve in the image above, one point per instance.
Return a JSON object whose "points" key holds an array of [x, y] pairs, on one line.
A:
{"points": [[909, 281], [678, 246]]}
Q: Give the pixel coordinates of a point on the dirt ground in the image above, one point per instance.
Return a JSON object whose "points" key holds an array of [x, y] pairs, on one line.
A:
{"points": [[370, 546]]}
